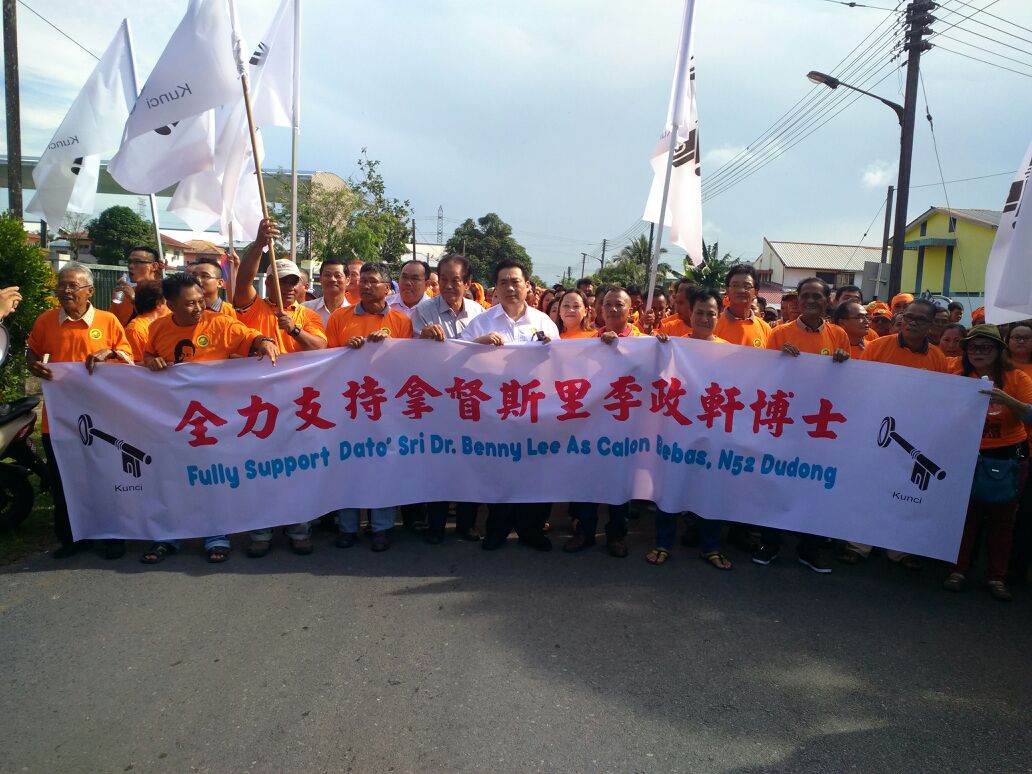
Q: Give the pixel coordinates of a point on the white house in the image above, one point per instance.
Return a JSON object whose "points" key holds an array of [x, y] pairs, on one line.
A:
{"points": [[786, 263]]}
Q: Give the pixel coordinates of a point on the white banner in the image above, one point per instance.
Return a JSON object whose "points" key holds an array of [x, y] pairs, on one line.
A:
{"points": [[1008, 273], [862, 451]]}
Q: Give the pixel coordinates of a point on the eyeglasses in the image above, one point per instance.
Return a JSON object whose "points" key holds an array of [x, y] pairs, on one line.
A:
{"points": [[1021, 339], [981, 349], [367, 282], [71, 286], [736, 286], [918, 319], [203, 277]]}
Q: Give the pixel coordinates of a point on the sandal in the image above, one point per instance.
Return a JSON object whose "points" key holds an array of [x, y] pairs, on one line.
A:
{"points": [[657, 556], [217, 554], [954, 583], [717, 559], [157, 553], [1000, 591]]}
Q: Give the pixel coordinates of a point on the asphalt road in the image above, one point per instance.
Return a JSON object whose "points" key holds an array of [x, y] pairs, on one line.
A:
{"points": [[450, 659]]}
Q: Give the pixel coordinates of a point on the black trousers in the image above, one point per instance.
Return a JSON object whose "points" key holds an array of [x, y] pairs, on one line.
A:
{"points": [[465, 516], [527, 519], [62, 526]]}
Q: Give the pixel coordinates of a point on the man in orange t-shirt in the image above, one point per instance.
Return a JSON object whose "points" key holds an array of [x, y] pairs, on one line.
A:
{"points": [[852, 317], [371, 319], [738, 324], [679, 324], [910, 347], [194, 333], [810, 332], [208, 271], [144, 265], [149, 303], [294, 328], [75, 332]]}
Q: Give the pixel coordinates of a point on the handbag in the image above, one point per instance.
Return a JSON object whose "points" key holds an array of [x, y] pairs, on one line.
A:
{"points": [[996, 480]]}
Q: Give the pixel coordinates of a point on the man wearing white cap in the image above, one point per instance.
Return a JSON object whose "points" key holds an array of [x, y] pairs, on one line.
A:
{"points": [[295, 328]]}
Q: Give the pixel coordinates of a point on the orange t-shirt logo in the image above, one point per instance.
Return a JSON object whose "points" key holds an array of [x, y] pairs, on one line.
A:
{"points": [[203, 341], [95, 334]]}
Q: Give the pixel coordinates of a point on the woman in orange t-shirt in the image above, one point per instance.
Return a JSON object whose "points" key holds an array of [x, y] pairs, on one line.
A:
{"points": [[1019, 344], [1003, 437], [574, 316], [705, 306]]}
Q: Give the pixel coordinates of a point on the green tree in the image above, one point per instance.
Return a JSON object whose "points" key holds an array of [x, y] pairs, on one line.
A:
{"points": [[324, 210], [26, 266], [115, 231], [710, 273], [486, 242], [381, 215], [631, 266]]}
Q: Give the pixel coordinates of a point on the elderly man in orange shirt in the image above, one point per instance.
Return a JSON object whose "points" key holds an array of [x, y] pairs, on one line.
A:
{"points": [[738, 324], [75, 332]]}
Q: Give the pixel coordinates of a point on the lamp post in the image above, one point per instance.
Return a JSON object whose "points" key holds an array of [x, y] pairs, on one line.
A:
{"points": [[906, 144]]}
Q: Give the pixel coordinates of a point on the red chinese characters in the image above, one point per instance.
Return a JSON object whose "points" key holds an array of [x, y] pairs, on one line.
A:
{"points": [[198, 417], [369, 395], [717, 402], [520, 399], [308, 411], [771, 412], [470, 395], [416, 390], [258, 410], [572, 393], [824, 417], [667, 399], [622, 398]]}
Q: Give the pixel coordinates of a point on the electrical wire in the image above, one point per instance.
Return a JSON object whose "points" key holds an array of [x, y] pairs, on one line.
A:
{"points": [[988, 51], [983, 61], [867, 231], [994, 16], [987, 25], [850, 4], [58, 29]]}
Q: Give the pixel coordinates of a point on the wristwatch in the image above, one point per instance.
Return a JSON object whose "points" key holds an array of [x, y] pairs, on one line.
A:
{"points": [[296, 332]]}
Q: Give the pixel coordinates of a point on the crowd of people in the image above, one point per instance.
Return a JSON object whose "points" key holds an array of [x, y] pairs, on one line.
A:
{"points": [[160, 320]]}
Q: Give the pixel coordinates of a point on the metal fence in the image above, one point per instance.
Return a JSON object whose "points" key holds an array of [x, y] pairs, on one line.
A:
{"points": [[106, 277]]}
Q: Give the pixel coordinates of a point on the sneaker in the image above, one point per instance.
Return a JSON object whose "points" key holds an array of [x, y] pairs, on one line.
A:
{"points": [[1000, 591], [765, 555], [813, 561], [954, 583]]}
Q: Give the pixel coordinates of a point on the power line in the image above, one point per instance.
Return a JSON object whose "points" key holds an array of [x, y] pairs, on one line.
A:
{"points": [[776, 126], [58, 29], [986, 37], [987, 51], [857, 5], [974, 13], [868, 229], [963, 180], [983, 61], [990, 26]]}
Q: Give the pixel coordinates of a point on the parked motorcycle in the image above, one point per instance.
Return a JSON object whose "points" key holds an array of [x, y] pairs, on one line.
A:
{"points": [[17, 421]]}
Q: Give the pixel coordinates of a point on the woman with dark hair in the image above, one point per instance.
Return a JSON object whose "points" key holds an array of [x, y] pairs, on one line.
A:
{"points": [[547, 297], [950, 340], [705, 308], [575, 316], [1004, 444], [1019, 345]]}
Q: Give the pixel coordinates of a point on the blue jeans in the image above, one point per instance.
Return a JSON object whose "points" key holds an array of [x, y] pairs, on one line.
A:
{"points": [[215, 541], [294, 532], [382, 519], [666, 531], [587, 519]]}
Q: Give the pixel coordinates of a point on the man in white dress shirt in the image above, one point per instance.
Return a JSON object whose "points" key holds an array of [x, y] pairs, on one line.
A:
{"points": [[411, 287], [333, 279], [512, 321]]}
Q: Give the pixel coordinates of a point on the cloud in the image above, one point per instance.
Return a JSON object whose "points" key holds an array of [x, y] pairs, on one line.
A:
{"points": [[717, 157], [879, 174]]}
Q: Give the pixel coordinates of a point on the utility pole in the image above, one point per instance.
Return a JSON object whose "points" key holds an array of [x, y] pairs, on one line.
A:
{"points": [[440, 224], [583, 261], [917, 25], [885, 243], [14, 157], [603, 253], [652, 231]]}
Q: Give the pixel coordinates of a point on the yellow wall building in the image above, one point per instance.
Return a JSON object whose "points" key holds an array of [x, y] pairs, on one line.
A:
{"points": [[947, 250]]}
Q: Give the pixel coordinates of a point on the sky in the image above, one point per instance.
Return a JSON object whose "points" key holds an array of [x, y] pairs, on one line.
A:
{"points": [[546, 111]]}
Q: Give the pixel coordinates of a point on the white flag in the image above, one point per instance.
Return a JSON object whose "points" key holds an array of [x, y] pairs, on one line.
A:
{"points": [[170, 133], [228, 193], [1008, 274], [684, 198], [66, 175]]}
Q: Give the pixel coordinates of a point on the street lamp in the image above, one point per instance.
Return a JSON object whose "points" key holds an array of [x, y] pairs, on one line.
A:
{"points": [[906, 150], [834, 83]]}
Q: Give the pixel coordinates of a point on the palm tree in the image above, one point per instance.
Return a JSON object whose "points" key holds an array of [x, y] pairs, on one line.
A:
{"points": [[631, 266], [711, 272]]}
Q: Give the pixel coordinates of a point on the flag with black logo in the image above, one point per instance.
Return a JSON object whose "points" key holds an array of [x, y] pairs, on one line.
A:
{"points": [[1008, 274], [683, 212], [67, 172], [163, 141], [228, 192]]}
